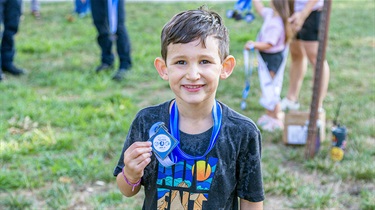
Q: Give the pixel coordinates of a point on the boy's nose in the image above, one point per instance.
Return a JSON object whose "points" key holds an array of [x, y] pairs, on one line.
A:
{"points": [[193, 73]]}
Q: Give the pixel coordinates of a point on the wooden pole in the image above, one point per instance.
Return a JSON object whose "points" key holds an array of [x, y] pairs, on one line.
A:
{"points": [[323, 37]]}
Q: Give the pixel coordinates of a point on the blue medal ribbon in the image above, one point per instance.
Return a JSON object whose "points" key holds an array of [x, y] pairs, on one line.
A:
{"points": [[174, 126], [177, 154]]}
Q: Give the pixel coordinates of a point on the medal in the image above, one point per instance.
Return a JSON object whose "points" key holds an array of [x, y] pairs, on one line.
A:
{"points": [[162, 142]]}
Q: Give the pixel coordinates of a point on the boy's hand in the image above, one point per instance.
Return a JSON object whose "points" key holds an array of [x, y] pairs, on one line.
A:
{"points": [[136, 158]]}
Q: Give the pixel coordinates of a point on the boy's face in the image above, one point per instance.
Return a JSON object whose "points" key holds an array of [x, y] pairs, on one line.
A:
{"points": [[193, 71]]}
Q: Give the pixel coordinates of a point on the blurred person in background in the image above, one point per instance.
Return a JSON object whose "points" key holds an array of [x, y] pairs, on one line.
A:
{"points": [[109, 20], [10, 13], [303, 49], [272, 44], [35, 8], [82, 7]]}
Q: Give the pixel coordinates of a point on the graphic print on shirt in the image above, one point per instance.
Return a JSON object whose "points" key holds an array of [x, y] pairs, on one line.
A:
{"points": [[186, 184]]}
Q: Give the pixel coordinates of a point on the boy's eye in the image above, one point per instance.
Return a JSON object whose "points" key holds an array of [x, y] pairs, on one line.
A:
{"points": [[181, 62], [205, 62]]}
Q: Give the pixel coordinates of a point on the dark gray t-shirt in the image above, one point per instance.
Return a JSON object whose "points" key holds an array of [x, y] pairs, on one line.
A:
{"points": [[231, 169]]}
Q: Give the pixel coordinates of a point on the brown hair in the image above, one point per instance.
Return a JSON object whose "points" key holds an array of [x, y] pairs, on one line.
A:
{"points": [[285, 8], [191, 25]]}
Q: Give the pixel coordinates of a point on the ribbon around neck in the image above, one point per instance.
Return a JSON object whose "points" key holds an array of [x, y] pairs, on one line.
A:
{"points": [[178, 154]]}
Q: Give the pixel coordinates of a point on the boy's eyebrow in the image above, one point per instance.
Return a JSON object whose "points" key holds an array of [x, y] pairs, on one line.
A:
{"points": [[177, 56], [183, 56], [206, 56]]}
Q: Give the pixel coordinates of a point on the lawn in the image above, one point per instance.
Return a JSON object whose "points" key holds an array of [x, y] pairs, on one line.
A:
{"points": [[62, 126]]}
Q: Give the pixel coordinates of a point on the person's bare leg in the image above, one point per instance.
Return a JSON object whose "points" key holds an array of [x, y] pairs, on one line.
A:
{"points": [[298, 69], [311, 49], [275, 113]]}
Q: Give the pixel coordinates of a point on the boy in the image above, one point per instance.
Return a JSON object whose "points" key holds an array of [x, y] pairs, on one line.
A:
{"points": [[217, 158]]}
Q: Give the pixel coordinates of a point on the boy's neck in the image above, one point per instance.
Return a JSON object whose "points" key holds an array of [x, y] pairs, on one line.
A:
{"points": [[195, 119]]}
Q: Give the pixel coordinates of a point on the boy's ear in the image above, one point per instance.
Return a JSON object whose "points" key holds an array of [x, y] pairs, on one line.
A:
{"points": [[161, 67], [228, 67]]}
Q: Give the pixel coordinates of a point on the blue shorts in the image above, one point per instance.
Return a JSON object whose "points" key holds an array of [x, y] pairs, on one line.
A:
{"points": [[272, 60], [310, 28]]}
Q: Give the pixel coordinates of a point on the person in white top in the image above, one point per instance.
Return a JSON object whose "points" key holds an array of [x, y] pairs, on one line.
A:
{"points": [[272, 44], [305, 21]]}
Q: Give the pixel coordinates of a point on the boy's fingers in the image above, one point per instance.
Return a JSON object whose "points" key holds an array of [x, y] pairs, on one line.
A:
{"points": [[138, 145], [141, 159], [144, 163], [141, 144], [136, 153], [137, 165]]}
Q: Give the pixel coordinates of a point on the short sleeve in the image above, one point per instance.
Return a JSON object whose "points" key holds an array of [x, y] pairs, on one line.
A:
{"points": [[266, 13], [273, 31], [250, 185]]}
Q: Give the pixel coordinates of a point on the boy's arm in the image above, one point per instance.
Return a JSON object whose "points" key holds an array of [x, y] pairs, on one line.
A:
{"points": [[247, 205], [258, 6], [125, 188], [136, 158]]}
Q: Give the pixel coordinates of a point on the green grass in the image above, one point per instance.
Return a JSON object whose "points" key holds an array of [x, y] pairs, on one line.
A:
{"points": [[62, 126]]}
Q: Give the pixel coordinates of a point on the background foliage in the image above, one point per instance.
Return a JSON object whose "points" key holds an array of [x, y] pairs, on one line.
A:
{"points": [[62, 126]]}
